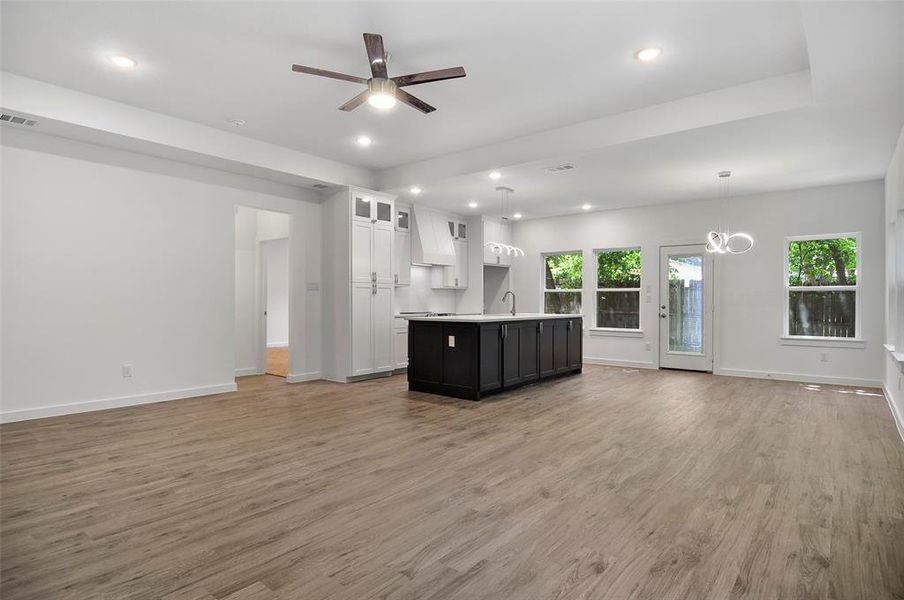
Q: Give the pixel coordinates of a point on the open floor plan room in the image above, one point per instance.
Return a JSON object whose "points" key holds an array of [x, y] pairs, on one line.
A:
{"points": [[453, 300]]}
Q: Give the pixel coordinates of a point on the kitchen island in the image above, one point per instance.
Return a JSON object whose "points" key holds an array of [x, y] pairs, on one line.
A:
{"points": [[470, 356]]}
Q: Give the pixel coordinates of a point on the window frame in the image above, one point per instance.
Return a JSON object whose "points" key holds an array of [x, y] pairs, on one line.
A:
{"points": [[544, 290], [818, 340], [616, 330]]}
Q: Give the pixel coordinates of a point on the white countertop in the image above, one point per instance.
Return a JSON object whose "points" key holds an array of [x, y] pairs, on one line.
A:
{"points": [[493, 318]]}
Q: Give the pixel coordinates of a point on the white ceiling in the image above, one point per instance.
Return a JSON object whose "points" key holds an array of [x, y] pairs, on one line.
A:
{"points": [[531, 66], [548, 82]]}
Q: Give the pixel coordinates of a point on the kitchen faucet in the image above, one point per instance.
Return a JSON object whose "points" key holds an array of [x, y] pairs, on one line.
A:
{"points": [[513, 300]]}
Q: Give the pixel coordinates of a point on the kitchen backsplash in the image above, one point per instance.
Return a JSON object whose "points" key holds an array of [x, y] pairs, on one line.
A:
{"points": [[420, 296]]}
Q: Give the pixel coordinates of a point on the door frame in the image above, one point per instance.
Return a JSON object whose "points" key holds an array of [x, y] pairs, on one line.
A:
{"points": [[260, 291], [714, 300]]}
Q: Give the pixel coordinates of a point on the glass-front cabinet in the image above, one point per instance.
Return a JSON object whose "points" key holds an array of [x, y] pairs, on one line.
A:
{"points": [[366, 207], [458, 230], [403, 218]]}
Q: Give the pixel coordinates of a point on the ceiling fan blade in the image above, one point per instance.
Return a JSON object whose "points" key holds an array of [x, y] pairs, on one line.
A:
{"points": [[428, 76], [355, 102], [330, 74], [413, 102], [376, 55]]}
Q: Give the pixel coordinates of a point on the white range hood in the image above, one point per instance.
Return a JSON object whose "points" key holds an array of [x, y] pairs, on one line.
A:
{"points": [[431, 243]]}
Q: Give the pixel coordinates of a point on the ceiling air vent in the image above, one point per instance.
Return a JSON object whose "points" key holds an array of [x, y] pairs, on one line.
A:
{"points": [[560, 168], [17, 120], [320, 186]]}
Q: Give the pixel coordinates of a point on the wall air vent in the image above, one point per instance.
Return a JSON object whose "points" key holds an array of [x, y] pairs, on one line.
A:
{"points": [[560, 168], [320, 186], [17, 120]]}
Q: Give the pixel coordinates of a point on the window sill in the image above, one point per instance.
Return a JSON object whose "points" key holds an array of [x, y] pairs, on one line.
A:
{"points": [[615, 332], [822, 342], [898, 356]]}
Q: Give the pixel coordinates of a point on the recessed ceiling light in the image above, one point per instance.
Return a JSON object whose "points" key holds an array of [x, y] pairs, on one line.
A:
{"points": [[472, 204], [648, 54], [517, 215], [495, 175], [586, 206], [415, 190], [363, 141], [123, 62]]}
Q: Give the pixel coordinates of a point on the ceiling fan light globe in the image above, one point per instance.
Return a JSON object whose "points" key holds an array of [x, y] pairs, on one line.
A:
{"points": [[381, 101]]}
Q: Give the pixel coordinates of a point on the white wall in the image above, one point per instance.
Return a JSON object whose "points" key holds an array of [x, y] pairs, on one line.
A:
{"points": [[276, 260], [119, 258], [247, 339], [749, 319], [894, 282], [496, 282]]}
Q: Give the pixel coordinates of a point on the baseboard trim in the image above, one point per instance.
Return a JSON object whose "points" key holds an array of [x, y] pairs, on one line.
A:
{"points": [[248, 371], [278, 345], [93, 405], [800, 378], [615, 362], [895, 415], [302, 377]]}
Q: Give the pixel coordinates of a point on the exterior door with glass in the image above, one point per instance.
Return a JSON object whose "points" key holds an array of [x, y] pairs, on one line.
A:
{"points": [[686, 308]]}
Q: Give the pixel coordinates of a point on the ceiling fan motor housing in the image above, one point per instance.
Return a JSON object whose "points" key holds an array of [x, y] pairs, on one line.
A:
{"points": [[382, 86]]}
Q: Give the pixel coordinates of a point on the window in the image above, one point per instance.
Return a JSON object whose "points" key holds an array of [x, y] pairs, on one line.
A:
{"points": [[618, 289], [822, 286], [564, 278]]}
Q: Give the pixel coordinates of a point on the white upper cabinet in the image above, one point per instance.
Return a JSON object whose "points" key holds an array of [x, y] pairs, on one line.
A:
{"points": [[458, 229], [402, 253], [403, 218], [402, 245], [454, 276], [371, 208]]}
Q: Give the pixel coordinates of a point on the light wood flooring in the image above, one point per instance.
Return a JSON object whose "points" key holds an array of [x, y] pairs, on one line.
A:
{"points": [[278, 361], [613, 484]]}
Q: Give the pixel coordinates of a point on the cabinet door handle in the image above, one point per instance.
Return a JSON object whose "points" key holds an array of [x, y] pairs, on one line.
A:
{"points": [[541, 328], [456, 282], [504, 330], [396, 277], [570, 325]]}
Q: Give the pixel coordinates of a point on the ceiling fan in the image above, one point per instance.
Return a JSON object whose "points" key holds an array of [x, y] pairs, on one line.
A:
{"points": [[383, 91]]}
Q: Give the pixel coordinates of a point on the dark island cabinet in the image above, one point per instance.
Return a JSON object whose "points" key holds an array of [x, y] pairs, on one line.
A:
{"points": [[470, 360]]}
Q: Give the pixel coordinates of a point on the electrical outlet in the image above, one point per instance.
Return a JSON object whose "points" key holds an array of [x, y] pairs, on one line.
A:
{"points": [[824, 356], [127, 370]]}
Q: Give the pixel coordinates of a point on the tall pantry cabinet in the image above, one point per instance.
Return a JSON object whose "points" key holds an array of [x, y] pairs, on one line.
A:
{"points": [[358, 282]]}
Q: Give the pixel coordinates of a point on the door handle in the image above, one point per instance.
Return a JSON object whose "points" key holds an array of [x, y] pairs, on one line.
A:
{"points": [[662, 315]]}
